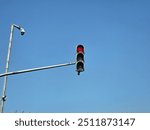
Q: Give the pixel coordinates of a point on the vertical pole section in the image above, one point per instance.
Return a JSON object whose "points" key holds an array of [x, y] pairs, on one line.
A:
{"points": [[3, 99]]}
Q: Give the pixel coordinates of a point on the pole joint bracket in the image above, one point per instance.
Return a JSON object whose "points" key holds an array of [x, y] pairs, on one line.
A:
{"points": [[4, 98]]}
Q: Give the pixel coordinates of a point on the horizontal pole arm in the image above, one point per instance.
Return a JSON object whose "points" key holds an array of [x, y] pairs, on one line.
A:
{"points": [[36, 69]]}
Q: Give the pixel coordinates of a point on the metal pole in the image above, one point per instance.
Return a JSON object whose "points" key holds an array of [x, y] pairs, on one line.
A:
{"points": [[36, 69], [6, 70]]}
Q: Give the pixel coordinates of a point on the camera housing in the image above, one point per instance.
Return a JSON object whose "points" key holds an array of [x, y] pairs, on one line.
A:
{"points": [[22, 31]]}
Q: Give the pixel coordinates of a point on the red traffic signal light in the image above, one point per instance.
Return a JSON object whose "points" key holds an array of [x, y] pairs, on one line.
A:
{"points": [[80, 59], [80, 49]]}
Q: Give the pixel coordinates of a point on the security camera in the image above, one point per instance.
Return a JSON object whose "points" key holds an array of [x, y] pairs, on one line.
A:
{"points": [[22, 31]]}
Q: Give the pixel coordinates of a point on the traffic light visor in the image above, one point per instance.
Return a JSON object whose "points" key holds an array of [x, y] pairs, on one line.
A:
{"points": [[80, 56], [80, 66]]}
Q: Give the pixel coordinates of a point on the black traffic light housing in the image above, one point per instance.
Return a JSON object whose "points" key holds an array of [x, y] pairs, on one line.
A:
{"points": [[80, 59]]}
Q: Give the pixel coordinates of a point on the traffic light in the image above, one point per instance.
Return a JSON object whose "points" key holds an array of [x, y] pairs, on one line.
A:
{"points": [[80, 59]]}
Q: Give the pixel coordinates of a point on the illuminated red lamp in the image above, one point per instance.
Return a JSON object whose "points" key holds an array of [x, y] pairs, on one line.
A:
{"points": [[80, 49]]}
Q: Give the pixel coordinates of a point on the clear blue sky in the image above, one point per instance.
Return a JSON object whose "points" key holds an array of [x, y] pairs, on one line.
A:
{"points": [[116, 36]]}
